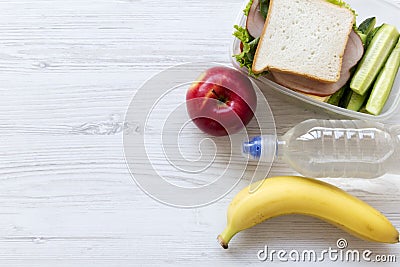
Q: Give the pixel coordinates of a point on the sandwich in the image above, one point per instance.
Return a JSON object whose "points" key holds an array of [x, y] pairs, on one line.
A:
{"points": [[305, 45]]}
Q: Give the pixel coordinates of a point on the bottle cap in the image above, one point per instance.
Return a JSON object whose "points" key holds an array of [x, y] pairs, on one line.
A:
{"points": [[253, 147], [261, 148]]}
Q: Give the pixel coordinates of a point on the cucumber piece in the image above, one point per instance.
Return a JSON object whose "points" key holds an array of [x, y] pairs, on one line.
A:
{"points": [[367, 25], [363, 110], [356, 101], [363, 37], [344, 101], [374, 58], [384, 83], [334, 99], [371, 35], [365, 28]]}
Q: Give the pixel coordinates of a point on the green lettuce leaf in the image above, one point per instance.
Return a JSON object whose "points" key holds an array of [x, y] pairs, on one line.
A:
{"points": [[247, 8], [246, 57]]}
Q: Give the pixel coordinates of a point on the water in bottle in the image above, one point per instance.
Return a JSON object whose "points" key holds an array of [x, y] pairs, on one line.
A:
{"points": [[333, 148]]}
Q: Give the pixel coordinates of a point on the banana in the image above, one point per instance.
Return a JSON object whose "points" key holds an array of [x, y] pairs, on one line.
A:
{"points": [[283, 195]]}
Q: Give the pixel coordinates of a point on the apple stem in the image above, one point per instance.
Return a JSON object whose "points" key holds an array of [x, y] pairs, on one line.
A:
{"points": [[215, 93]]}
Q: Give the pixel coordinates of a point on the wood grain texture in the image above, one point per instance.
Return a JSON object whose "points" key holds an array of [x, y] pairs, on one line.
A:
{"points": [[68, 70]]}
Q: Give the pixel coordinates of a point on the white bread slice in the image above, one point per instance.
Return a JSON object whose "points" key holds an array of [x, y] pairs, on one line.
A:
{"points": [[304, 37]]}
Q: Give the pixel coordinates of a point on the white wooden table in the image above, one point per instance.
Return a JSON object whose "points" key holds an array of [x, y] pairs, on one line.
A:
{"points": [[68, 70]]}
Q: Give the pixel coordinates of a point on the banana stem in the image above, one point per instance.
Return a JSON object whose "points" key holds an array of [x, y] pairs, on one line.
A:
{"points": [[225, 237]]}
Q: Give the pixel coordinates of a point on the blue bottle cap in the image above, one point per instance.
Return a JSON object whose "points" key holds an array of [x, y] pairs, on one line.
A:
{"points": [[253, 147]]}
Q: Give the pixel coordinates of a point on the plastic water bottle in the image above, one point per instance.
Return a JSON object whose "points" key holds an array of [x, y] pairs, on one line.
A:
{"points": [[333, 148]]}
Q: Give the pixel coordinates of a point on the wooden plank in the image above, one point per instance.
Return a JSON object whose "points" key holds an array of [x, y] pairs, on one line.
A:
{"points": [[68, 70]]}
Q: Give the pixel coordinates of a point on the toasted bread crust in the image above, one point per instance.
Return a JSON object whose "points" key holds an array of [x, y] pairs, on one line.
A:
{"points": [[271, 3]]}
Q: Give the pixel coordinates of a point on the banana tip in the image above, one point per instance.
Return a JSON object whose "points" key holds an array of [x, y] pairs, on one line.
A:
{"points": [[222, 242]]}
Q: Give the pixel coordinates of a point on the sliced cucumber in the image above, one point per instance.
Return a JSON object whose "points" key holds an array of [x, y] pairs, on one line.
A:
{"points": [[367, 25], [356, 101], [375, 57], [334, 99], [370, 35], [365, 28], [363, 110], [363, 37], [344, 101], [384, 83]]}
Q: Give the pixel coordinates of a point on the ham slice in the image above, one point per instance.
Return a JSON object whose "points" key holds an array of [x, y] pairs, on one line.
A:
{"points": [[255, 21], [352, 54]]}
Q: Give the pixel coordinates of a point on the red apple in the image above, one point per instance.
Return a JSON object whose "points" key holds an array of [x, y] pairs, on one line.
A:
{"points": [[221, 101]]}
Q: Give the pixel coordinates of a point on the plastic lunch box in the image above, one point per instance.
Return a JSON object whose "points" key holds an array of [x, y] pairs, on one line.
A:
{"points": [[385, 12]]}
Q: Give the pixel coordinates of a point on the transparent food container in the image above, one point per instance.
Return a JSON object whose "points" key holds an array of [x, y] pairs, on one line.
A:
{"points": [[385, 12]]}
